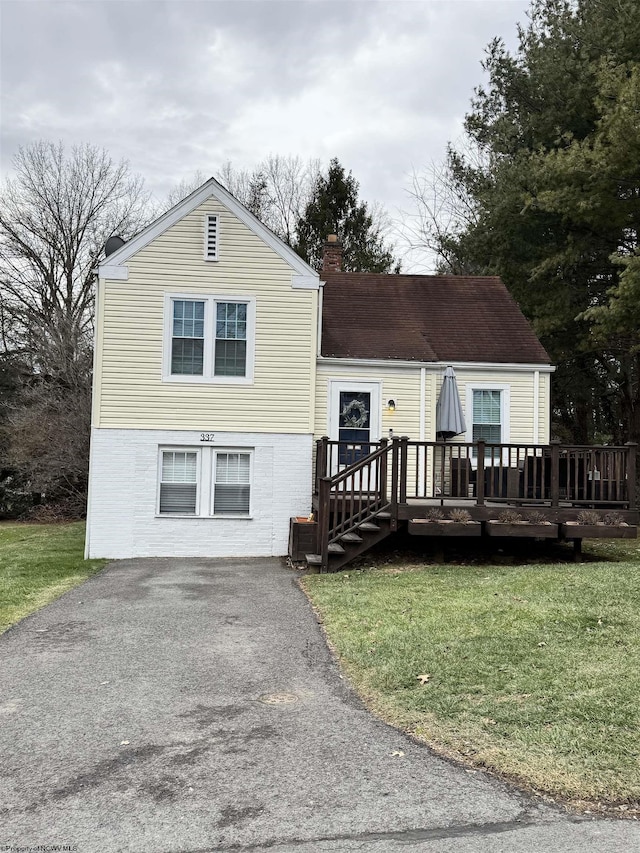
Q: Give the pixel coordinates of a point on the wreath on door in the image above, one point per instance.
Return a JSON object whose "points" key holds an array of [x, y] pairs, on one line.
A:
{"points": [[354, 414]]}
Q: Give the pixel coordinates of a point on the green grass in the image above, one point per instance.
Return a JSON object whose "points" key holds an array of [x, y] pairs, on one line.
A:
{"points": [[38, 563], [534, 669]]}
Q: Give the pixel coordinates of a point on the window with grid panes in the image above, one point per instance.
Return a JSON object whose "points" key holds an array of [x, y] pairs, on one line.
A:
{"points": [[231, 339], [187, 337]]}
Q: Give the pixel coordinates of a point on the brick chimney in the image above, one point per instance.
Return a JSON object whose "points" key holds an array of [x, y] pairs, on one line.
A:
{"points": [[332, 254]]}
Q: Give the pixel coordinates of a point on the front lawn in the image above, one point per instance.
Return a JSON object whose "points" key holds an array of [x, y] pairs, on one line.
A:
{"points": [[39, 562], [532, 671]]}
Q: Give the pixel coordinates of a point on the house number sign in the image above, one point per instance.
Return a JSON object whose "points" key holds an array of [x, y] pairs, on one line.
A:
{"points": [[207, 436]]}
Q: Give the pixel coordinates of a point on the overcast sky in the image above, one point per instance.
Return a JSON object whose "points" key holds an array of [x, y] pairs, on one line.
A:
{"points": [[176, 86]]}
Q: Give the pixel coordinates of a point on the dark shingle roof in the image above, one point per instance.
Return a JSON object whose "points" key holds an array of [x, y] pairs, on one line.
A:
{"points": [[425, 318]]}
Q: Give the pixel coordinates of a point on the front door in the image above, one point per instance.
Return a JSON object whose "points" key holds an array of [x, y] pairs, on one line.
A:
{"points": [[354, 418], [354, 425]]}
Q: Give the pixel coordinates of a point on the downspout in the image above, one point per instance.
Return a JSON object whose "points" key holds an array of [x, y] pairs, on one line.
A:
{"points": [[536, 407], [422, 426], [319, 329], [95, 410]]}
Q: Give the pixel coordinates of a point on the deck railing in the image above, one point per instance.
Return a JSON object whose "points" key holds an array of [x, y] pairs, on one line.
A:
{"points": [[553, 474], [351, 497]]}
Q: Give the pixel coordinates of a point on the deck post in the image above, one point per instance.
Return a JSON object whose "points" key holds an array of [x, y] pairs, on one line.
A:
{"points": [[404, 453], [480, 474], [632, 482], [382, 494], [324, 508], [555, 472], [321, 460], [395, 473]]}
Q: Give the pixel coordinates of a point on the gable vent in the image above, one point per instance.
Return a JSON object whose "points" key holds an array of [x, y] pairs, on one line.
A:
{"points": [[211, 233]]}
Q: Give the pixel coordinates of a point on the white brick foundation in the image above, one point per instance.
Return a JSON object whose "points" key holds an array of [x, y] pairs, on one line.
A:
{"points": [[122, 515]]}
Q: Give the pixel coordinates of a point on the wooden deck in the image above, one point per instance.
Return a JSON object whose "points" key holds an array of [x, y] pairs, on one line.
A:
{"points": [[564, 492]]}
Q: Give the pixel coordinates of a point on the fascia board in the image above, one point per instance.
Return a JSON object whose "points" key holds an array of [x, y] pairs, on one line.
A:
{"points": [[189, 204], [516, 367]]}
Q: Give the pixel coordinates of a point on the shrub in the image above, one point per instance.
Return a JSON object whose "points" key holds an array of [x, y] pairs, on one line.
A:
{"points": [[435, 514], [509, 516], [536, 517], [462, 516], [615, 519], [588, 516]]}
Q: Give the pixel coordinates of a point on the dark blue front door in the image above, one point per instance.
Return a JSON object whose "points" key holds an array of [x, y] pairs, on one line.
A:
{"points": [[354, 425]]}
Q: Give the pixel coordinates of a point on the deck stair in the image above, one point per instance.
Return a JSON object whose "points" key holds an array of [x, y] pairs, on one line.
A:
{"points": [[353, 544]]}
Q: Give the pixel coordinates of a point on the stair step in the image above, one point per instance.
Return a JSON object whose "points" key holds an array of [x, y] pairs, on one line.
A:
{"points": [[385, 516], [352, 538], [368, 527], [313, 559], [335, 548]]}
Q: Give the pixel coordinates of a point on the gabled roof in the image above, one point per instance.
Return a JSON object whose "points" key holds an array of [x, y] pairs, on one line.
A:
{"points": [[425, 318], [307, 277]]}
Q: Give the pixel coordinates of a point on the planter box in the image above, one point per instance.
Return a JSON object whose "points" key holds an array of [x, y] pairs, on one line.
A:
{"points": [[303, 536], [444, 527], [575, 530], [523, 529]]}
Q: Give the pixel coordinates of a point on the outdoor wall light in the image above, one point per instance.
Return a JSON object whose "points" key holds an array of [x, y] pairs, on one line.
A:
{"points": [[391, 405]]}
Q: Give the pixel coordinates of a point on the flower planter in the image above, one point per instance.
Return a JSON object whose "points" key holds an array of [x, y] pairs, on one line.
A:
{"points": [[303, 535], [523, 529], [444, 527], [576, 530]]}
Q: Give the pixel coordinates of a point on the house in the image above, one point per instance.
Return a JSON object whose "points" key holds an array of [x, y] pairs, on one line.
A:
{"points": [[221, 358]]}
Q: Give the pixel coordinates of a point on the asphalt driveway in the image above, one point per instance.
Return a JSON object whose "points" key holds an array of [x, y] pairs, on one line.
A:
{"points": [[191, 705]]}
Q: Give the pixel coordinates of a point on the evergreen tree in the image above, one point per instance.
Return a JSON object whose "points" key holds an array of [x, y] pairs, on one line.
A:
{"points": [[557, 202], [335, 209]]}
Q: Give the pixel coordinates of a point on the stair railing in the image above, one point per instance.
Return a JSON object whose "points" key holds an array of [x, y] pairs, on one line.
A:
{"points": [[351, 497]]}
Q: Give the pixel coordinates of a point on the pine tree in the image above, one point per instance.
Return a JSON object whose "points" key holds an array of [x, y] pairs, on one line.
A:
{"points": [[557, 202], [335, 209]]}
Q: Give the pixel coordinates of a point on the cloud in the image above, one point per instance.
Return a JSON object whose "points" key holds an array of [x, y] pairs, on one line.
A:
{"points": [[179, 86]]}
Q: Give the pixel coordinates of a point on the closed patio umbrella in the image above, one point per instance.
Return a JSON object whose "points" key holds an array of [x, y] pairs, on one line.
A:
{"points": [[449, 414]]}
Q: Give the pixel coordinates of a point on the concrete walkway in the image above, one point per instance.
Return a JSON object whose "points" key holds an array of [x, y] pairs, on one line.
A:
{"points": [[191, 705]]}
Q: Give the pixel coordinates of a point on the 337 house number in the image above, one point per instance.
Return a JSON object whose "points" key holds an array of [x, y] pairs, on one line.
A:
{"points": [[207, 436]]}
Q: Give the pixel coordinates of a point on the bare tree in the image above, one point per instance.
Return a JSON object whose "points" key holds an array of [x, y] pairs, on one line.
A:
{"points": [[55, 216], [276, 191], [184, 188], [442, 208]]}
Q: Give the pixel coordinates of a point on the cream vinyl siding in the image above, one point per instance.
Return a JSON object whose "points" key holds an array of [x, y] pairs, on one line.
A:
{"points": [[403, 385], [544, 408], [521, 409], [399, 384], [129, 387]]}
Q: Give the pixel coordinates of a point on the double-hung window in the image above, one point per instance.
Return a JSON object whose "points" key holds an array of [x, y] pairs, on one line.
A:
{"points": [[179, 482], [205, 482], [487, 415], [232, 483], [230, 357], [487, 410], [209, 339], [187, 337]]}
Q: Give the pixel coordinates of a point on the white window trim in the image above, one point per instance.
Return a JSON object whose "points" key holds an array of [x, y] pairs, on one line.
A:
{"points": [[179, 449], [208, 376], [335, 386], [207, 256], [505, 409], [205, 481], [247, 451]]}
